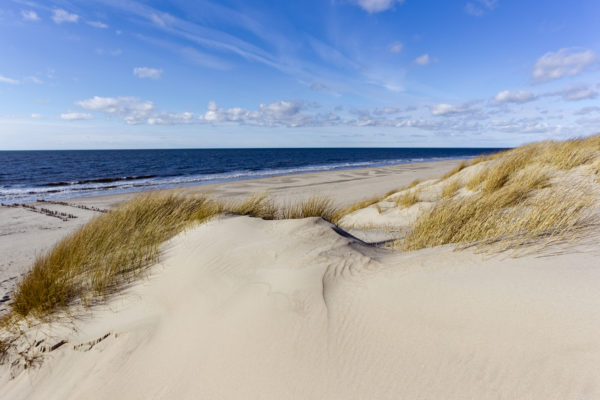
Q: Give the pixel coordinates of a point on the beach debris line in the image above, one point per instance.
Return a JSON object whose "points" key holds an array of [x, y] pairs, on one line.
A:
{"points": [[80, 206], [51, 213]]}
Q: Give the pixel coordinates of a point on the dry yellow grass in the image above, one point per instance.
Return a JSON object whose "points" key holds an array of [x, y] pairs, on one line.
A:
{"points": [[106, 252], [408, 198], [508, 216], [359, 205], [561, 155], [456, 170], [315, 206], [450, 188], [514, 201], [115, 247], [413, 184], [258, 205], [595, 168]]}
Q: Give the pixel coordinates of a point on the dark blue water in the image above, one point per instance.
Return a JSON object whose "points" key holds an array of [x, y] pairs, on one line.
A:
{"points": [[52, 175]]}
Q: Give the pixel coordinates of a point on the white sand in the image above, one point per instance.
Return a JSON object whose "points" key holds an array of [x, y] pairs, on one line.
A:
{"points": [[253, 309], [241, 308], [25, 234]]}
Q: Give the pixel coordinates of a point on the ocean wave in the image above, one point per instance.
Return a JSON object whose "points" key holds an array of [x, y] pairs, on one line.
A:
{"points": [[108, 185], [99, 180]]}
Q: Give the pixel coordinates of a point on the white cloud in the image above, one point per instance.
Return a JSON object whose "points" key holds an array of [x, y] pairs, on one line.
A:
{"points": [[131, 109], [4, 79], [577, 92], [318, 86], [519, 97], [375, 6], [114, 53], [526, 125], [29, 15], [204, 59], [145, 72], [172, 118], [480, 7], [97, 24], [423, 60], [34, 79], [564, 62], [59, 16], [75, 116], [162, 19], [448, 109], [396, 47], [36, 116], [588, 110]]}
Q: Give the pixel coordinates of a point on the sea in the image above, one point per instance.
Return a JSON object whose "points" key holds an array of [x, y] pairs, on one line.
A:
{"points": [[28, 176]]}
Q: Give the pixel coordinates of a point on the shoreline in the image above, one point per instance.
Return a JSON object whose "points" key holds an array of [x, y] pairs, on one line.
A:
{"points": [[212, 180], [25, 234], [286, 299]]}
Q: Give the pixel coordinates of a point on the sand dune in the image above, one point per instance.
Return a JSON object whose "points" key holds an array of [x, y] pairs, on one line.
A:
{"points": [[25, 234], [245, 308]]}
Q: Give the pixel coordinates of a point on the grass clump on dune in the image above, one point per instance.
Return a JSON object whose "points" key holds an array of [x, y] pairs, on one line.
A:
{"points": [[513, 201], [106, 252], [407, 199], [315, 206], [258, 205], [359, 205], [509, 217], [114, 248], [450, 188], [455, 171]]}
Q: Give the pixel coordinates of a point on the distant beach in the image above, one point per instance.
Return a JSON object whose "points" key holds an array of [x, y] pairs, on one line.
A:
{"points": [[28, 176]]}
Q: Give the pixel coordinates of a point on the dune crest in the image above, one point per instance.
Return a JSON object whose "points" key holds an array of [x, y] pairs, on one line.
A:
{"points": [[294, 310]]}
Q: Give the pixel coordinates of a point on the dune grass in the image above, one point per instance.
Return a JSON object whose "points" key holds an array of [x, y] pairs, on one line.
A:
{"points": [[114, 248], [107, 251], [456, 170], [359, 205], [315, 206], [450, 188], [513, 200], [407, 199]]}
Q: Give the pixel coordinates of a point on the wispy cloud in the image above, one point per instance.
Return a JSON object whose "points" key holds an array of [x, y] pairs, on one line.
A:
{"points": [[479, 8], [34, 79], [423, 60], [29, 15], [561, 63], [97, 24], [204, 59], [376, 6], [396, 47], [445, 109], [4, 79], [59, 16], [75, 116], [114, 52], [577, 92], [519, 96], [145, 72]]}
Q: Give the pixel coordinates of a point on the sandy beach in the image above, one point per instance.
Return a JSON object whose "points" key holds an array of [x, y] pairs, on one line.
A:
{"points": [[241, 307], [311, 200], [24, 234]]}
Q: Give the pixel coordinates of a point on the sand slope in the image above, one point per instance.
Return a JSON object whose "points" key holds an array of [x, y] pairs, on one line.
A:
{"points": [[242, 308], [25, 234]]}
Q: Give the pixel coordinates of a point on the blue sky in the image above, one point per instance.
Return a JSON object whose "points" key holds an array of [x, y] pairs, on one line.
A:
{"points": [[324, 73]]}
